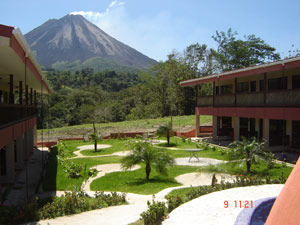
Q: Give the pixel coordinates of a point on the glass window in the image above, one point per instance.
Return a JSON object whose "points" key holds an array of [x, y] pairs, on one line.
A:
{"points": [[261, 85], [277, 84], [226, 122], [217, 90], [242, 87], [296, 81], [226, 89], [253, 86], [3, 161]]}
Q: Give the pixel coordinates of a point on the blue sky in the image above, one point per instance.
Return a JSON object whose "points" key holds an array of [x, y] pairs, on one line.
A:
{"points": [[157, 27]]}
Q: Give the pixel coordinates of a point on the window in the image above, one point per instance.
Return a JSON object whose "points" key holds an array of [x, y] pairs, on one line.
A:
{"points": [[277, 84], [226, 89], [296, 81], [242, 87], [253, 86], [217, 90], [226, 122], [15, 150], [261, 85], [3, 161]]}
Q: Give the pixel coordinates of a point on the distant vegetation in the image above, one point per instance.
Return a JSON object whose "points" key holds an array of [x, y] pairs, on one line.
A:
{"points": [[85, 96]]}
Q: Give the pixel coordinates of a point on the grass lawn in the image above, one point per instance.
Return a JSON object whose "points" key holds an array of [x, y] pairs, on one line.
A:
{"points": [[204, 154], [117, 146], [179, 122], [71, 146], [260, 169], [135, 181]]}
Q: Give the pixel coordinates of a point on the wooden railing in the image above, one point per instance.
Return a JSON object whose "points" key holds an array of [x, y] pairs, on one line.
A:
{"points": [[10, 113], [286, 98]]}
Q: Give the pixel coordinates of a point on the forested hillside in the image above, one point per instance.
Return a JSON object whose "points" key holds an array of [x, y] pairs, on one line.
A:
{"points": [[85, 96]]}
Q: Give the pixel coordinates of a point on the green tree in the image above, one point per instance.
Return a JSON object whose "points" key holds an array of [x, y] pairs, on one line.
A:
{"points": [[233, 53], [143, 152], [165, 130], [249, 151]]}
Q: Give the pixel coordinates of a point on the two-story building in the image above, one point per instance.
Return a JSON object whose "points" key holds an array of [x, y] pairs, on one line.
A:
{"points": [[20, 82], [261, 101]]}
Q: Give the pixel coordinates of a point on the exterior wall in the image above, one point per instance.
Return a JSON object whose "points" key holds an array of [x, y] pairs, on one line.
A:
{"points": [[22, 134], [10, 165], [20, 153]]}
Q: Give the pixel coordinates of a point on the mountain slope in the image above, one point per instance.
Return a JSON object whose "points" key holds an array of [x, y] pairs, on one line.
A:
{"points": [[74, 39]]}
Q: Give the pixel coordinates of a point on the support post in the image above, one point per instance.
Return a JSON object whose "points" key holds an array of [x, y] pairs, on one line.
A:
{"points": [[20, 92], [26, 94], [215, 127], [31, 96], [236, 128], [11, 89], [266, 132], [197, 125]]}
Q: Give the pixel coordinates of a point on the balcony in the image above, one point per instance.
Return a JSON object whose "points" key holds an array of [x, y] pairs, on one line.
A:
{"points": [[282, 98], [10, 113]]}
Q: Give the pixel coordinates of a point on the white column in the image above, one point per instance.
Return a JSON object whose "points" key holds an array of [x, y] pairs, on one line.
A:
{"points": [[266, 131], [236, 128]]}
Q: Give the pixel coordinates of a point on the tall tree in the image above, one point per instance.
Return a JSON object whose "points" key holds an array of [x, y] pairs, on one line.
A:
{"points": [[233, 53]]}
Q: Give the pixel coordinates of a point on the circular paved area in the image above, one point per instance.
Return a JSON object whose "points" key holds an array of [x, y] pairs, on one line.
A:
{"points": [[197, 179], [209, 209], [195, 162]]}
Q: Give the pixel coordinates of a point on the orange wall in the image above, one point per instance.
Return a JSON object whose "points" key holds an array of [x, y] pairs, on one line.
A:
{"points": [[286, 209]]}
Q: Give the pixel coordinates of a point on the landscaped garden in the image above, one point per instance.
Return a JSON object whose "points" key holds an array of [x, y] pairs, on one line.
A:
{"points": [[156, 168]]}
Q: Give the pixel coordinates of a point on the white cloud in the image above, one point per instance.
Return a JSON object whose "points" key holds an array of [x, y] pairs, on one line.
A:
{"points": [[155, 36], [97, 15]]}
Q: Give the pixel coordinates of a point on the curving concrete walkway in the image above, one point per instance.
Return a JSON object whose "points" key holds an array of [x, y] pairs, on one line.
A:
{"points": [[126, 214]]}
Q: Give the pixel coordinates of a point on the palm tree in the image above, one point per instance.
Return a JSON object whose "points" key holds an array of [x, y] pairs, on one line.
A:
{"points": [[95, 138], [165, 130], [249, 150], [143, 151]]}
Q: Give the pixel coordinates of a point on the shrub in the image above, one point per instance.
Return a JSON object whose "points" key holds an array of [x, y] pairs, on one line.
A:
{"points": [[70, 203], [155, 213], [183, 138]]}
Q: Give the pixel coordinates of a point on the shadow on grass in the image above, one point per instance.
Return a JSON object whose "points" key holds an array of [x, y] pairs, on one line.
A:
{"points": [[166, 145], [49, 183], [155, 180]]}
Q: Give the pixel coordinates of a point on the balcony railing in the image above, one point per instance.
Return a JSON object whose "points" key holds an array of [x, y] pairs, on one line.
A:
{"points": [[287, 98], [10, 113]]}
